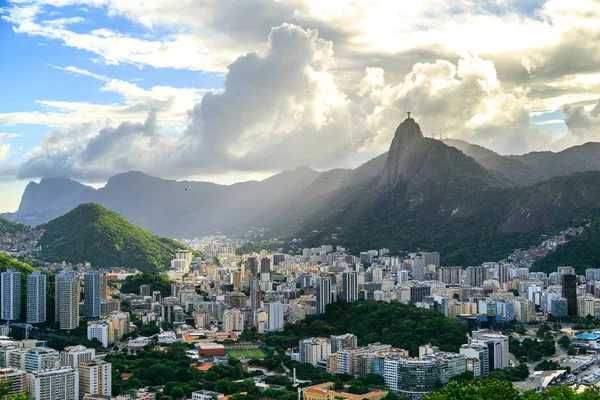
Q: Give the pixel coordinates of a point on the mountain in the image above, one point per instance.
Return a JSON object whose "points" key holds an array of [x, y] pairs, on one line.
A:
{"points": [[189, 209], [92, 233], [464, 200], [51, 194], [585, 157], [416, 161], [535, 167], [513, 170], [432, 196]]}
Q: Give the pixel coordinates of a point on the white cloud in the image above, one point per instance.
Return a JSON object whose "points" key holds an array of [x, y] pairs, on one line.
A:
{"points": [[291, 103], [4, 145], [172, 103]]}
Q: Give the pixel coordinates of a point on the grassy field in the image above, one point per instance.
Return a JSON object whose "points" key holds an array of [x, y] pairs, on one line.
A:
{"points": [[251, 353]]}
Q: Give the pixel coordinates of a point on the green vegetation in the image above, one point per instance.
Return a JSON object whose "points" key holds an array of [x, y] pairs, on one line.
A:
{"points": [[10, 227], [7, 262], [511, 374], [257, 247], [548, 365], [466, 223], [531, 349], [581, 252], [105, 239], [155, 280], [493, 389], [394, 323], [249, 353]]}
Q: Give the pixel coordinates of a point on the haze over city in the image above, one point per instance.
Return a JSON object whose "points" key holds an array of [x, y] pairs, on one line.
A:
{"points": [[231, 91]]}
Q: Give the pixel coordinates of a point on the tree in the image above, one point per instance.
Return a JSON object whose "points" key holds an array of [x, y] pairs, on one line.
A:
{"points": [[488, 389], [564, 342]]}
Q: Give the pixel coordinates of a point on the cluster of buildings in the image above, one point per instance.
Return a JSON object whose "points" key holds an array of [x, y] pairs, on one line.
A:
{"points": [[68, 307], [43, 373], [414, 376]]}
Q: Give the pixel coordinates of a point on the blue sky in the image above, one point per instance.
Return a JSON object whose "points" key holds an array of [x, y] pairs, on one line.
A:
{"points": [[96, 87]]}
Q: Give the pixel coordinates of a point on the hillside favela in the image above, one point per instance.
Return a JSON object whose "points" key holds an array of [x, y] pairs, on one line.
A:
{"points": [[299, 200]]}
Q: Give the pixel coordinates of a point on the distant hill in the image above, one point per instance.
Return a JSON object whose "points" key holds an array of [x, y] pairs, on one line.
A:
{"points": [[9, 227], [7, 262], [534, 167], [51, 194], [92, 233], [513, 170]]}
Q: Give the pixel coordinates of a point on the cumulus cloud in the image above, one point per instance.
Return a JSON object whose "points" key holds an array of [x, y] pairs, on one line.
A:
{"points": [[296, 102], [274, 108], [4, 145], [583, 127], [466, 100]]}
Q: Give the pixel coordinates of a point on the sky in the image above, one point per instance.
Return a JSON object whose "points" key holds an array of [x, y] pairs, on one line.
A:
{"points": [[232, 90]]}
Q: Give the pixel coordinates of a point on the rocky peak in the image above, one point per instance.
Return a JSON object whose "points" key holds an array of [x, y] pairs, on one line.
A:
{"points": [[400, 164]]}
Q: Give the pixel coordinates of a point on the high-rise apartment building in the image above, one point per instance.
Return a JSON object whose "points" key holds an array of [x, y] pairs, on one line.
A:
{"points": [[251, 265], [95, 378], [67, 300], [72, 356], [450, 275], [418, 268], [233, 320], [476, 275], [41, 358], [100, 332], [10, 286], [569, 292], [59, 383], [278, 259], [323, 293], [349, 286], [341, 342], [432, 258], [314, 350], [276, 316], [18, 379], [92, 294], [36, 298]]}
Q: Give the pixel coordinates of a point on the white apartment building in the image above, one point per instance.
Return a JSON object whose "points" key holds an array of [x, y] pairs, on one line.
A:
{"points": [[53, 384]]}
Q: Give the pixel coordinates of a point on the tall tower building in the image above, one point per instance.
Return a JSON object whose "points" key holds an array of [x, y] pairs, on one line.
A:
{"points": [[36, 298], [275, 316], [323, 293], [418, 268], [95, 378], [502, 273], [92, 294], [349, 286], [67, 300], [432, 258], [254, 287], [104, 290], [11, 295], [569, 292], [252, 266]]}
